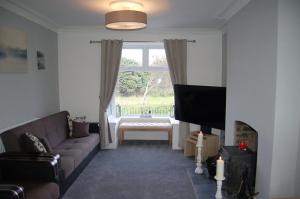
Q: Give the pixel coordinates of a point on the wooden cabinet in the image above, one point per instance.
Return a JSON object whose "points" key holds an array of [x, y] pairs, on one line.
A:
{"points": [[210, 145]]}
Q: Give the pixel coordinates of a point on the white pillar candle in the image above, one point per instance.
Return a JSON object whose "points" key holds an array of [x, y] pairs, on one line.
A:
{"points": [[220, 168], [200, 138]]}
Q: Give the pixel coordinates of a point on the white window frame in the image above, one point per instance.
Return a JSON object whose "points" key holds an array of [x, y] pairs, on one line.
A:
{"points": [[145, 61], [145, 46]]}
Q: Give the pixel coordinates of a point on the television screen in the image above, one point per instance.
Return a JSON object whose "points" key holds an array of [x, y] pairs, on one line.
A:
{"points": [[203, 105]]}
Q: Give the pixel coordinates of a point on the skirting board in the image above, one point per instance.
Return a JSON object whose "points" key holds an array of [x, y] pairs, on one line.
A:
{"points": [[286, 198]]}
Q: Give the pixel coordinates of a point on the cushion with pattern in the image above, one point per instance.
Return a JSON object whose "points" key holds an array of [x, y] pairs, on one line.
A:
{"points": [[33, 144], [47, 145]]}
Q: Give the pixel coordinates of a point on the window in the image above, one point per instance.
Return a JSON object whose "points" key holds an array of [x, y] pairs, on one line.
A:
{"points": [[132, 58], [157, 58], [144, 83]]}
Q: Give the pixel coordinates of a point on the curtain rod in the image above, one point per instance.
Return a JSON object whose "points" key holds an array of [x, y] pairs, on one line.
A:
{"points": [[93, 42]]}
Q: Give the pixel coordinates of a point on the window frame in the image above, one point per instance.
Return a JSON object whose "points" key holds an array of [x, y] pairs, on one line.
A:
{"points": [[145, 46], [145, 59]]}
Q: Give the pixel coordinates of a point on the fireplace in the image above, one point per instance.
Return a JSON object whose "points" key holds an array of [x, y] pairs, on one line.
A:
{"points": [[240, 165], [246, 134]]}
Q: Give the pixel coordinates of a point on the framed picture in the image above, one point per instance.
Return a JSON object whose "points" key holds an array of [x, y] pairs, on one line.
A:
{"points": [[13, 51], [40, 57]]}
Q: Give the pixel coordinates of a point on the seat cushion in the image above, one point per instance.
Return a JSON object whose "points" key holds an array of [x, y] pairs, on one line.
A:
{"points": [[67, 146], [76, 154], [76, 149], [67, 164], [38, 190], [91, 141]]}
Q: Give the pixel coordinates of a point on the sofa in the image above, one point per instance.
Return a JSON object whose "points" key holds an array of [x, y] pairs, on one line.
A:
{"points": [[74, 153], [37, 174]]}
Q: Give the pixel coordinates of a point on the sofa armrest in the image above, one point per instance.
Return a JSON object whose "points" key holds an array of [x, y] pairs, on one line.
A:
{"points": [[29, 167], [94, 127], [37, 156], [11, 192]]}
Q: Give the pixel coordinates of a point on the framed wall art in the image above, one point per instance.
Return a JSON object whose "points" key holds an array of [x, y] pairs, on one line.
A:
{"points": [[40, 57], [13, 51]]}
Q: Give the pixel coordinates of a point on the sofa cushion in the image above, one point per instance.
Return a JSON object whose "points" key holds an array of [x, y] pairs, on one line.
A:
{"points": [[80, 129], [54, 127], [70, 123], [67, 164], [57, 128], [12, 138], [66, 150], [2, 149], [38, 190], [93, 140]]}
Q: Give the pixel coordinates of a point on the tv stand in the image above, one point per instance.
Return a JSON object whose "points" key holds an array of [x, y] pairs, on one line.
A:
{"points": [[210, 145]]}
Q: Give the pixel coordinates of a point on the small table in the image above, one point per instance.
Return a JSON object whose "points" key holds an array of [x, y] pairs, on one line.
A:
{"points": [[145, 126]]}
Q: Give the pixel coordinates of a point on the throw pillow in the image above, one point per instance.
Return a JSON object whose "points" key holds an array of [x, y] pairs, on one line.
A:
{"points": [[80, 129], [47, 145], [2, 149], [70, 123], [33, 144]]}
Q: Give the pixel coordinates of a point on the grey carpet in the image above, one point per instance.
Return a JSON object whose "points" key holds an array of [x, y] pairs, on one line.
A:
{"points": [[135, 171], [204, 186]]}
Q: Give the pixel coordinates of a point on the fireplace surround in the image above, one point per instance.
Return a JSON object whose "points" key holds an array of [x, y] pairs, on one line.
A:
{"points": [[246, 134]]}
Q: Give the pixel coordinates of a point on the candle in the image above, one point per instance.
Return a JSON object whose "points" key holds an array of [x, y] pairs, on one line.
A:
{"points": [[200, 138], [220, 168]]}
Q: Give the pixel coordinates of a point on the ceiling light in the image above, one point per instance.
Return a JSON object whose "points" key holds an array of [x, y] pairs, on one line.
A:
{"points": [[126, 16], [125, 20], [125, 5]]}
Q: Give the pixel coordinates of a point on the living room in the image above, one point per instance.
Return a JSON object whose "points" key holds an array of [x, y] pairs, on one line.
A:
{"points": [[253, 51]]}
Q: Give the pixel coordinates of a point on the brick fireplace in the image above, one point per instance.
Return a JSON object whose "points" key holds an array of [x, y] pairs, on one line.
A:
{"points": [[246, 134]]}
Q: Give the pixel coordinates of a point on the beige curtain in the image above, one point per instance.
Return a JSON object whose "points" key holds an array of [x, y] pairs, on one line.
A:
{"points": [[110, 61], [176, 52]]}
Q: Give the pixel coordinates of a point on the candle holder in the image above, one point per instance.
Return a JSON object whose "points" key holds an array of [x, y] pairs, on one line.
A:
{"points": [[219, 187], [199, 146]]}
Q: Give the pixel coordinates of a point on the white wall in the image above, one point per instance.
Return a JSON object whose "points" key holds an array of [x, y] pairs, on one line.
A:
{"points": [[263, 89], [26, 96], [251, 80], [286, 137], [79, 74], [79, 63], [224, 59]]}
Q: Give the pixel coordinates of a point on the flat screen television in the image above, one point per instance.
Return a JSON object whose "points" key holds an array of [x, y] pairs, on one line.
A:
{"points": [[203, 105]]}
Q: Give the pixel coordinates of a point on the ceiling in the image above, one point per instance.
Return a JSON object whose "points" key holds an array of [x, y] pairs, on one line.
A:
{"points": [[161, 13]]}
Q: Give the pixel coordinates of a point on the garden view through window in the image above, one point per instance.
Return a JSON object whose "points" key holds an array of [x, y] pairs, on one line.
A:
{"points": [[144, 86]]}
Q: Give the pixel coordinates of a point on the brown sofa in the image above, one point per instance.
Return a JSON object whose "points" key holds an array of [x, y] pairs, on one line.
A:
{"points": [[40, 181], [74, 153]]}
